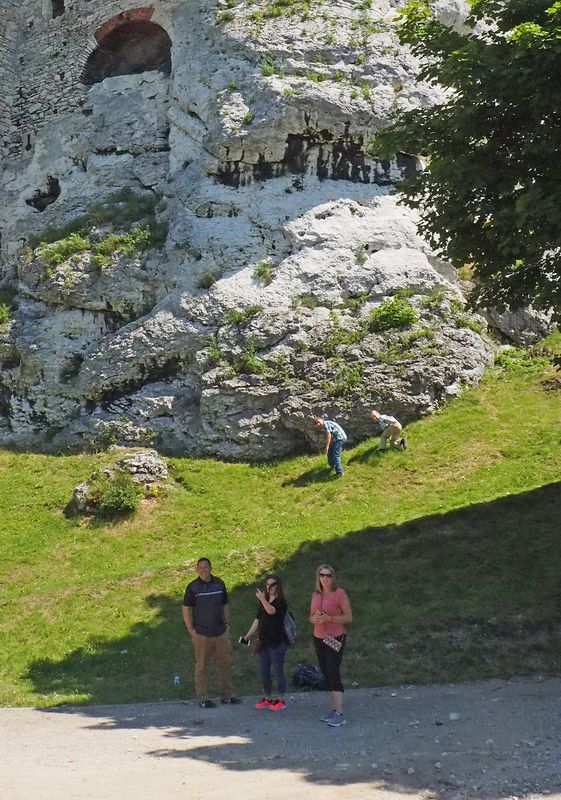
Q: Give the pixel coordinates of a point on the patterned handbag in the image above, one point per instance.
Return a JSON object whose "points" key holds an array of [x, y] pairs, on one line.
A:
{"points": [[333, 643]]}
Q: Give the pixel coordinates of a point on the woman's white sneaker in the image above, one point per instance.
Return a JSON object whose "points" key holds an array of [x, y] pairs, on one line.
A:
{"points": [[336, 720]]}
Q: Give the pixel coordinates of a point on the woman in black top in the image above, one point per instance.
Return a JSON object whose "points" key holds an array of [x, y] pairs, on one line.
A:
{"points": [[269, 624]]}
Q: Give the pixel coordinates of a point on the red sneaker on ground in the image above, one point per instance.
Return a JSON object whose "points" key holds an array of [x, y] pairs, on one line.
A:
{"points": [[265, 703], [277, 705]]}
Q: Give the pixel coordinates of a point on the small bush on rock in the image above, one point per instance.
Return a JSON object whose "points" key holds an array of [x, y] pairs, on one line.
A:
{"points": [[215, 354], [225, 16], [248, 362], [265, 272], [60, 251], [345, 382], [114, 494], [121, 210], [206, 279], [392, 314], [306, 300], [339, 335], [361, 256], [467, 321], [237, 317], [5, 316], [355, 302]]}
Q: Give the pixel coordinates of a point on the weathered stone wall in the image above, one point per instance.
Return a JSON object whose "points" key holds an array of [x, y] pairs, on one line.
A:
{"points": [[51, 54], [8, 47]]}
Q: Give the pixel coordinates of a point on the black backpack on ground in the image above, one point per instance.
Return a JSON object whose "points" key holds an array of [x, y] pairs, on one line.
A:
{"points": [[308, 676]]}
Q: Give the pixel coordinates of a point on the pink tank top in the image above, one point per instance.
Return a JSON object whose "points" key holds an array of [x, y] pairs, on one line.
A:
{"points": [[332, 605]]}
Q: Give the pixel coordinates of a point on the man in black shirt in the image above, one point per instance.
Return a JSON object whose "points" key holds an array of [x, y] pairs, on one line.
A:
{"points": [[206, 617]]}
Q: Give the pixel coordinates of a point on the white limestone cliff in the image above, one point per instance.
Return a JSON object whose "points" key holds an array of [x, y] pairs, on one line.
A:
{"points": [[283, 236]]}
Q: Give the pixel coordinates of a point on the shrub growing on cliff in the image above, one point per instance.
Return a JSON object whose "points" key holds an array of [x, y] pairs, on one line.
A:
{"points": [[206, 279], [392, 314], [7, 306], [238, 317], [354, 303], [248, 362], [121, 210], [265, 272], [225, 16], [339, 335], [345, 382], [361, 256], [280, 8], [214, 353], [60, 251], [490, 194], [128, 245], [5, 317]]}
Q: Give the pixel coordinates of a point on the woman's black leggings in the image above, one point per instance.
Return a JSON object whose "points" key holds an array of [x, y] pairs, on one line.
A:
{"points": [[330, 663]]}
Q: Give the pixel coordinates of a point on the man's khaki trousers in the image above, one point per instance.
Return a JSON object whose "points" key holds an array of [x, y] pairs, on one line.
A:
{"points": [[394, 433], [207, 648]]}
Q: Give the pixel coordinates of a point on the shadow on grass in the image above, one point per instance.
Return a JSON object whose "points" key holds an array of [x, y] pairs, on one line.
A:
{"points": [[472, 593], [92, 521], [368, 456], [315, 475]]}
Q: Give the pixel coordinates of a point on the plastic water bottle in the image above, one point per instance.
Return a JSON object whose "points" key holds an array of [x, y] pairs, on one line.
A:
{"points": [[176, 680]]}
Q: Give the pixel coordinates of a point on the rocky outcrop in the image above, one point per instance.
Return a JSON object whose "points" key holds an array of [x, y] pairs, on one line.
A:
{"points": [[280, 250], [523, 327], [148, 472]]}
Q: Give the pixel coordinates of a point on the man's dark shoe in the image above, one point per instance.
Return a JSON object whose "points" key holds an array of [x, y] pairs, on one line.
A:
{"points": [[207, 704], [232, 701], [403, 443]]}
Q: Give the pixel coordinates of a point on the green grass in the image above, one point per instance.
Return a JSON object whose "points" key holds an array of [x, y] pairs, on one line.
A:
{"points": [[450, 552]]}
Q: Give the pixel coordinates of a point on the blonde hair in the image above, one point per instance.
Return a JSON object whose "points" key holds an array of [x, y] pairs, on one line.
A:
{"points": [[318, 580]]}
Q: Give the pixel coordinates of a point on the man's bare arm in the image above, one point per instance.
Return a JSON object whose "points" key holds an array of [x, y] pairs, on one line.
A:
{"points": [[188, 619]]}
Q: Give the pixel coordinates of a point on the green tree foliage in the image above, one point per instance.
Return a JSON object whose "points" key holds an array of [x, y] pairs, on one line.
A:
{"points": [[491, 192]]}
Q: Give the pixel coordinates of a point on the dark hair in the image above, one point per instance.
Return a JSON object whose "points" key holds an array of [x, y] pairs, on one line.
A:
{"points": [[204, 559], [280, 591]]}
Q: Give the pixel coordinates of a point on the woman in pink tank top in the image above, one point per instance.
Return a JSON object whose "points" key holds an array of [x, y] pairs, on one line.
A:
{"points": [[330, 611]]}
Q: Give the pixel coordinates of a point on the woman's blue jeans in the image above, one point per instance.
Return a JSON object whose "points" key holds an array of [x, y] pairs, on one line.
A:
{"points": [[334, 455], [273, 656]]}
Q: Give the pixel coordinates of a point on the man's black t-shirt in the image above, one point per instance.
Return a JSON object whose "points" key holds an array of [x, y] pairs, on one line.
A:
{"points": [[271, 626], [207, 601]]}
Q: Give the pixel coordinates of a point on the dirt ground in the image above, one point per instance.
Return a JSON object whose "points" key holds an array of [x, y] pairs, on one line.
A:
{"points": [[495, 739]]}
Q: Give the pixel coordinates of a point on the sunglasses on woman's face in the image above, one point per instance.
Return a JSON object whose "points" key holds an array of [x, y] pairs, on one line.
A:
{"points": [[270, 585], [325, 574]]}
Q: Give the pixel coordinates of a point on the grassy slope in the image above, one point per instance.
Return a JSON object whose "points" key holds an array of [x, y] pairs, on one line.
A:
{"points": [[450, 553]]}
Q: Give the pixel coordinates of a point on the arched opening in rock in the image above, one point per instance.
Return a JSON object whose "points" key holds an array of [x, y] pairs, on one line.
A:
{"points": [[58, 8], [127, 48], [45, 197], [53, 8]]}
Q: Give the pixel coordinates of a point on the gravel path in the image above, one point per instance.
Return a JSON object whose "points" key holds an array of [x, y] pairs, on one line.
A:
{"points": [[495, 739]]}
